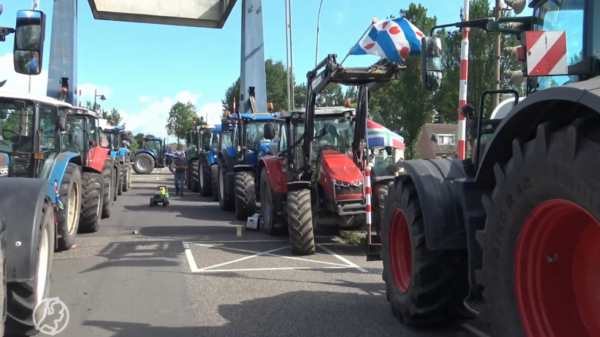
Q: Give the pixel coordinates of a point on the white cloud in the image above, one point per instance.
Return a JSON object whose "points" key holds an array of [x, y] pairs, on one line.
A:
{"points": [[20, 83], [145, 99], [152, 119]]}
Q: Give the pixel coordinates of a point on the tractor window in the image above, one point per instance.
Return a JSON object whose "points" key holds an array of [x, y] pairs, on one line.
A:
{"points": [[283, 138], [49, 139], [568, 16], [214, 140], [336, 134], [226, 139], [153, 145], [75, 133], [255, 132], [17, 127], [92, 128]]}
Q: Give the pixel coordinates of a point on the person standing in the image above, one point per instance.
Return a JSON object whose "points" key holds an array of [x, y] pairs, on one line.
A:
{"points": [[180, 166]]}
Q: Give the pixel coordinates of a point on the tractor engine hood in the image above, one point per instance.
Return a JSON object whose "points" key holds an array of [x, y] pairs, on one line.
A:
{"points": [[339, 167]]}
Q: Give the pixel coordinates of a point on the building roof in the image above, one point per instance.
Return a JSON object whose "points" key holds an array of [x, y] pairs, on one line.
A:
{"points": [[431, 130]]}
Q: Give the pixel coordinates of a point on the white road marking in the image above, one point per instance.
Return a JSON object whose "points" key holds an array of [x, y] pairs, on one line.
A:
{"points": [[195, 269], [474, 330], [267, 269], [344, 260], [275, 255]]}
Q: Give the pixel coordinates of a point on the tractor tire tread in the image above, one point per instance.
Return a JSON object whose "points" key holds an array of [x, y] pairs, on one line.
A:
{"points": [[300, 222], [245, 195], [91, 199]]}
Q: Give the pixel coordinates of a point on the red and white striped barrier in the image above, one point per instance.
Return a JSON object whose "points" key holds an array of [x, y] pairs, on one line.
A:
{"points": [[462, 93], [368, 195], [546, 53]]}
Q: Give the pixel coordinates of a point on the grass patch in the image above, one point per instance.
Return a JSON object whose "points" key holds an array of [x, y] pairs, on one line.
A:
{"points": [[354, 238]]}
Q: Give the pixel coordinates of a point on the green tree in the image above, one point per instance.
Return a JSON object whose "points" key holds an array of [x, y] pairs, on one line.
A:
{"points": [[113, 114], [182, 119]]}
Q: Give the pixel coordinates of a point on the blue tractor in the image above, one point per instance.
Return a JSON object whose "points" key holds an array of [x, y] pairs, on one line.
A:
{"points": [[238, 162], [203, 162], [153, 154], [117, 138]]}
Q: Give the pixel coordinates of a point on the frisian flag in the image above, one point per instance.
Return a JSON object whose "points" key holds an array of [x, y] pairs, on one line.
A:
{"points": [[393, 39], [379, 136]]}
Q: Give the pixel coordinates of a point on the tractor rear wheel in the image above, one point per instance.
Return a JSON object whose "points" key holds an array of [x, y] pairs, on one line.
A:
{"points": [[204, 179], [214, 177], [127, 178], [144, 163], [540, 242], [424, 287], [91, 202], [24, 297], [121, 178], [225, 202], [272, 223], [68, 217], [107, 188], [245, 195], [116, 180], [300, 222]]}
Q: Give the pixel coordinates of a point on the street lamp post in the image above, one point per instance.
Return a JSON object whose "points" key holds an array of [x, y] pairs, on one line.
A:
{"points": [[318, 29], [102, 98]]}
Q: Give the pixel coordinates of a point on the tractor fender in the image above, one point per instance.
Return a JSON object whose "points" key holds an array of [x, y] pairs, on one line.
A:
{"points": [[298, 185], [211, 157], [56, 170], [22, 211], [146, 151], [277, 178], [559, 104], [243, 168], [228, 158], [96, 157], [230, 151], [381, 180], [439, 196]]}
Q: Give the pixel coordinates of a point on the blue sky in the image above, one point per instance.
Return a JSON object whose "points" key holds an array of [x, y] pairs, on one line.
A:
{"points": [[145, 68]]}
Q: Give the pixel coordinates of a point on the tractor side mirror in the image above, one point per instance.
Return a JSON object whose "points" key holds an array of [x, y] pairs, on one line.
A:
{"points": [[61, 123], [431, 63], [29, 42], [225, 124], [468, 111], [269, 131]]}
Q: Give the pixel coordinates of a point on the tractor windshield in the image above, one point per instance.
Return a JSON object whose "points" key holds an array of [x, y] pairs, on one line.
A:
{"points": [[568, 16], [115, 140], [214, 140], [384, 160], [255, 134], [153, 145], [17, 127], [76, 133], [50, 139], [333, 133]]}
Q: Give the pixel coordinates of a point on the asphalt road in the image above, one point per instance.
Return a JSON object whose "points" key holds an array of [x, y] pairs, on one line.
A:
{"points": [[187, 273]]}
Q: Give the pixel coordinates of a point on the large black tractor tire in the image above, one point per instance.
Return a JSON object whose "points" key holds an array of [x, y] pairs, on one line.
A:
{"points": [[68, 217], [205, 179], [424, 287], [300, 222], [144, 163], [116, 182], [189, 176], [214, 177], [559, 165], [127, 178], [91, 202], [23, 297], [272, 222], [121, 179], [245, 195], [226, 202], [107, 188], [380, 193]]}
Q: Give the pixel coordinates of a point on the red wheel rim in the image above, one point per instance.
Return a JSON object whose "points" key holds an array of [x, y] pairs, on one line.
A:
{"points": [[557, 273], [400, 251]]}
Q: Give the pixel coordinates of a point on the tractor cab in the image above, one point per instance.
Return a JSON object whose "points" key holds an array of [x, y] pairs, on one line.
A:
{"points": [[155, 146], [386, 150], [83, 131], [30, 134], [248, 137]]}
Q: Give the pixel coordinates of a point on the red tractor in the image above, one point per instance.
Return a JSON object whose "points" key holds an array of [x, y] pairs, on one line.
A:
{"points": [[99, 177], [513, 233], [317, 178]]}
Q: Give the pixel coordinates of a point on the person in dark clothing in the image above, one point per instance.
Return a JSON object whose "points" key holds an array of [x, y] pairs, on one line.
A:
{"points": [[180, 166]]}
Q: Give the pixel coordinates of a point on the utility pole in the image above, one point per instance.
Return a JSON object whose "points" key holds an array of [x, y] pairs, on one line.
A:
{"points": [[291, 56], [497, 55], [287, 56]]}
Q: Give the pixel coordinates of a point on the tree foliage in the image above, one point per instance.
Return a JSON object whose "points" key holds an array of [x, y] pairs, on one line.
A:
{"points": [[182, 118], [112, 115]]}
